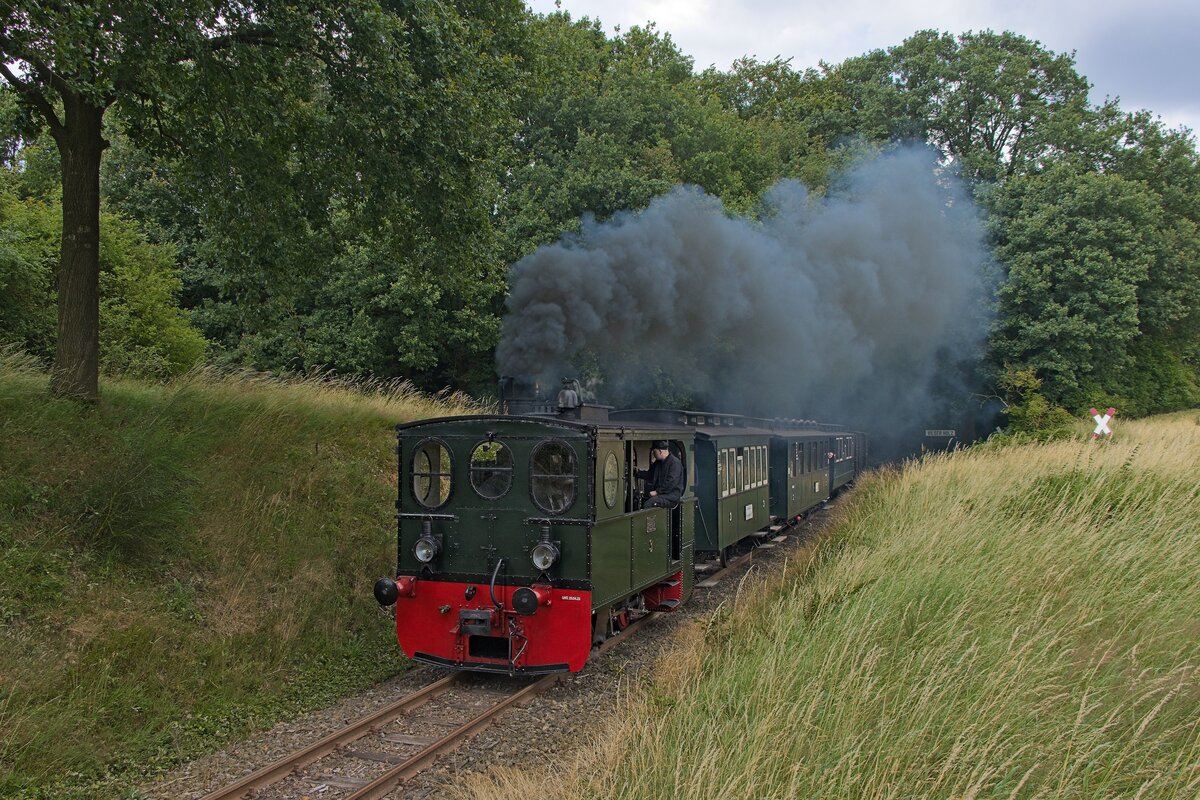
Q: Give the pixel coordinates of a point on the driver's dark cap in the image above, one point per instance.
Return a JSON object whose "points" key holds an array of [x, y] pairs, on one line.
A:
{"points": [[661, 444]]}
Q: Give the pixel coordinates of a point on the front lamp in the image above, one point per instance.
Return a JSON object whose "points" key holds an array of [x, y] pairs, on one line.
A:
{"points": [[543, 555], [545, 552], [426, 549]]}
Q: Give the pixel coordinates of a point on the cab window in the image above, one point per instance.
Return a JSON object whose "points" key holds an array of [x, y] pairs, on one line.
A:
{"points": [[612, 479], [491, 470], [552, 476], [430, 469]]}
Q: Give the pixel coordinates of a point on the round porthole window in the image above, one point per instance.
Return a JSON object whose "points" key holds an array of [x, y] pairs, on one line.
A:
{"points": [[612, 480], [431, 473]]}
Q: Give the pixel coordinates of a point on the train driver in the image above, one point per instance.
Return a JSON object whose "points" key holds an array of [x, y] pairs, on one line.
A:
{"points": [[664, 479]]}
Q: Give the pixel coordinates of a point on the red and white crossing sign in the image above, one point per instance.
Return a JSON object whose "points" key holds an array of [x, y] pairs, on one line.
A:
{"points": [[1102, 428]]}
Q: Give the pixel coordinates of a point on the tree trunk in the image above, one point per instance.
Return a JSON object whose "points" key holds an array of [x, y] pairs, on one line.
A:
{"points": [[76, 368]]}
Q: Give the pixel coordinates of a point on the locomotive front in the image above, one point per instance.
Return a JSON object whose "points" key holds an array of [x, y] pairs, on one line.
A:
{"points": [[493, 521]]}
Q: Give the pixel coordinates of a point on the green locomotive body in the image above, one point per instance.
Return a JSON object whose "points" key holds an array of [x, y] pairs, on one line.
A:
{"points": [[522, 539]]}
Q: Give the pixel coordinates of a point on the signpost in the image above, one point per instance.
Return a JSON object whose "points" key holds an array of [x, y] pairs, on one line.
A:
{"points": [[1102, 428]]}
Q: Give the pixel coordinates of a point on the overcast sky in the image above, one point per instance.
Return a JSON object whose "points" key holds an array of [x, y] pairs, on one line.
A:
{"points": [[1146, 53]]}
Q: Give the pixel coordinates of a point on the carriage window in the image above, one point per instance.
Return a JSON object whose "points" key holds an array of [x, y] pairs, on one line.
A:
{"points": [[758, 466], [739, 469], [552, 476], [762, 465], [723, 471], [612, 480], [431, 473], [491, 470]]}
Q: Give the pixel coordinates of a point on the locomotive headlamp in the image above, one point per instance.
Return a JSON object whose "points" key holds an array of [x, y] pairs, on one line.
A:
{"points": [[545, 552], [428, 546], [543, 555], [426, 549]]}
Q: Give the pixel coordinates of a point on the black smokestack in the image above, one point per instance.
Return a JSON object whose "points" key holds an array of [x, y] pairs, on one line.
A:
{"points": [[850, 307]]}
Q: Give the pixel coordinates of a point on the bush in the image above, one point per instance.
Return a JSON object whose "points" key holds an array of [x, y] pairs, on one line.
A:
{"points": [[1028, 410], [143, 332]]}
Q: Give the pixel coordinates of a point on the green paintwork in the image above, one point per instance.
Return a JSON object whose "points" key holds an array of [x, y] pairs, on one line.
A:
{"points": [[808, 485], [487, 529], [722, 521], [612, 552]]}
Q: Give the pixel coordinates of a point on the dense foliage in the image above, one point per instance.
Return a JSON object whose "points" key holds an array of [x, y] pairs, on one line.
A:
{"points": [[342, 210]]}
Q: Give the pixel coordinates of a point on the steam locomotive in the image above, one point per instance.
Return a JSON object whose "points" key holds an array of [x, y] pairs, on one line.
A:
{"points": [[522, 540]]}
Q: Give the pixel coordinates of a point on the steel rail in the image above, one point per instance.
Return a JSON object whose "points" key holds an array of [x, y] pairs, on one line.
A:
{"points": [[379, 788], [389, 780], [273, 772]]}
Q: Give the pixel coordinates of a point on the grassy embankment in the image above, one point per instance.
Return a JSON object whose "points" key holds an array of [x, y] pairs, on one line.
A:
{"points": [[183, 563], [1005, 622]]}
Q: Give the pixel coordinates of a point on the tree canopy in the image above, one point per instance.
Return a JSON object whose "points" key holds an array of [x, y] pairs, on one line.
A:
{"points": [[343, 186]]}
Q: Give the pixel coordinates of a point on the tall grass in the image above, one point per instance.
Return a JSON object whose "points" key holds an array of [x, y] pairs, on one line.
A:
{"points": [[183, 562], [1004, 622]]}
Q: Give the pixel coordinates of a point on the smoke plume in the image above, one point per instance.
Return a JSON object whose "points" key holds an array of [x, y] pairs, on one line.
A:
{"points": [[858, 307]]}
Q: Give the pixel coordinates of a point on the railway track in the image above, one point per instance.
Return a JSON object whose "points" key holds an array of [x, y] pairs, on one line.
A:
{"points": [[368, 758]]}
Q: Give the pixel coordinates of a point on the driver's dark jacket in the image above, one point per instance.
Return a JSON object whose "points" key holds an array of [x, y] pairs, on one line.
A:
{"points": [[664, 477]]}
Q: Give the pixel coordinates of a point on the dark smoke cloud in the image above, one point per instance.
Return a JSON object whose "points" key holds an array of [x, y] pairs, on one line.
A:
{"points": [[849, 308]]}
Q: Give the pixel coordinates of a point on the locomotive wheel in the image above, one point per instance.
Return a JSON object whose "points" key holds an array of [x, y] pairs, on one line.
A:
{"points": [[620, 620]]}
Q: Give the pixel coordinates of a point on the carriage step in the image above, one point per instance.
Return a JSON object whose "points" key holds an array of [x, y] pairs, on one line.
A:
{"points": [[667, 605], [777, 528]]}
